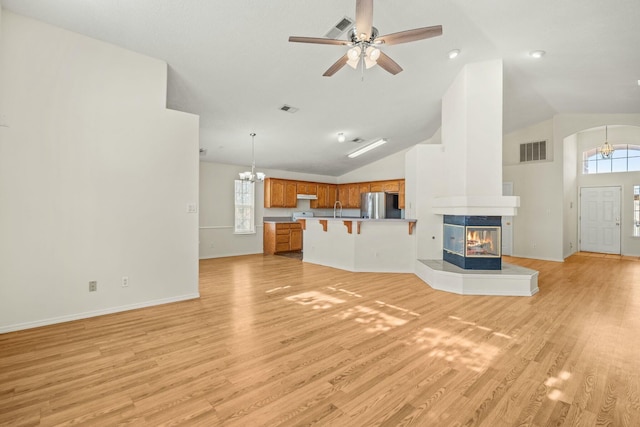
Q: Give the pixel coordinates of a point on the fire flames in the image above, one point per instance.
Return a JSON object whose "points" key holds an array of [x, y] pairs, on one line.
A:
{"points": [[479, 242]]}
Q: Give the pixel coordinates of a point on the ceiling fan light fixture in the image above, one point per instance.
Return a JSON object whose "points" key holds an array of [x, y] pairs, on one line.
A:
{"points": [[373, 53], [368, 62], [354, 53], [369, 147]]}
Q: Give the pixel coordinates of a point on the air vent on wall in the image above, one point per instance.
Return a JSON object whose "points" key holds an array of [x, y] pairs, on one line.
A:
{"points": [[203, 151], [533, 151], [288, 109], [341, 26]]}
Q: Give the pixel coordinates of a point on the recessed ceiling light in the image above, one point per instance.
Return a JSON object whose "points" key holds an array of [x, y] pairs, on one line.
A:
{"points": [[638, 82], [537, 53], [369, 147], [454, 53], [341, 137]]}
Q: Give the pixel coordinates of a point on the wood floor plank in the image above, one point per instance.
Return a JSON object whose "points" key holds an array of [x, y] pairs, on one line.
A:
{"points": [[274, 342]]}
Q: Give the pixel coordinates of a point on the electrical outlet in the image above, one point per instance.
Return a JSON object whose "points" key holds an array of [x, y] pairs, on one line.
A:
{"points": [[125, 281], [93, 286]]}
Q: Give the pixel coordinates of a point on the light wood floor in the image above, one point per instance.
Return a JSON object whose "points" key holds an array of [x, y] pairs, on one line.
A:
{"points": [[274, 341]]}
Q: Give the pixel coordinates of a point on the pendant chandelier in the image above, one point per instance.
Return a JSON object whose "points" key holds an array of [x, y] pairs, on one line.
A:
{"points": [[253, 175], [607, 149]]}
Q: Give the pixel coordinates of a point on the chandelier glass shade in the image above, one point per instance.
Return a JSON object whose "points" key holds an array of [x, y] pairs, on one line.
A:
{"points": [[606, 150], [252, 175]]}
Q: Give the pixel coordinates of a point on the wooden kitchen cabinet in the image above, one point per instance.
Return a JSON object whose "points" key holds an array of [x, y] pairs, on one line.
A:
{"points": [[281, 237], [349, 195], [307, 188], [280, 193], [391, 186], [354, 195], [327, 196]]}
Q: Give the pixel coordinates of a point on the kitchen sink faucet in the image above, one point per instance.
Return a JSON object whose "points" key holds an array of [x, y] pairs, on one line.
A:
{"points": [[335, 206]]}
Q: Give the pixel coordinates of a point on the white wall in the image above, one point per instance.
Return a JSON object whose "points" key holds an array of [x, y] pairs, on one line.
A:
{"points": [[95, 179], [472, 131], [570, 198], [537, 229], [390, 167], [425, 172]]}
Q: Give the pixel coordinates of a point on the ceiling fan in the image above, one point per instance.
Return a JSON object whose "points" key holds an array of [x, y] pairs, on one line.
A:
{"points": [[364, 42]]}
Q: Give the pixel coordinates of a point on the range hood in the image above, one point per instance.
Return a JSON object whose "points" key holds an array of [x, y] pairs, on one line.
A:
{"points": [[307, 197]]}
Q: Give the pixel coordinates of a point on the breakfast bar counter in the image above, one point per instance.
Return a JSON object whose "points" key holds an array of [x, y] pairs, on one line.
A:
{"points": [[360, 244]]}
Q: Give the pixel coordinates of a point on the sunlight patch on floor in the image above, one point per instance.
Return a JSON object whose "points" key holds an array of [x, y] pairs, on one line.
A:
{"points": [[395, 307], [317, 300], [353, 294], [377, 321], [556, 384], [279, 288], [453, 348]]}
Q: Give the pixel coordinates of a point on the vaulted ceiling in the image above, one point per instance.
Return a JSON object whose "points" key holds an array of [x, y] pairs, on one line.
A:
{"points": [[231, 63]]}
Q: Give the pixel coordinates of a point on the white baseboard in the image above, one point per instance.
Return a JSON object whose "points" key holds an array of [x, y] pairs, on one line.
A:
{"points": [[537, 257], [87, 314]]}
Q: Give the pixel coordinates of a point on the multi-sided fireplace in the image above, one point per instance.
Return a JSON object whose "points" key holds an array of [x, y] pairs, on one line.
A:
{"points": [[473, 242]]}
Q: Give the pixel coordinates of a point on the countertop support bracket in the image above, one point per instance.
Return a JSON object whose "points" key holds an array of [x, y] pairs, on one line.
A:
{"points": [[348, 224]]}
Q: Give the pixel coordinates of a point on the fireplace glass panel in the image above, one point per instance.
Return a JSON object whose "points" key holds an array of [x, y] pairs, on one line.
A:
{"points": [[483, 241], [453, 239]]}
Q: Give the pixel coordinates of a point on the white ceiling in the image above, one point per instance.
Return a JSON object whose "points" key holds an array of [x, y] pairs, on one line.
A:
{"points": [[230, 62]]}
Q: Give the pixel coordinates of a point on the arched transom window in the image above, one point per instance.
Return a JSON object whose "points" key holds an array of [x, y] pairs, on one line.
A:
{"points": [[625, 158]]}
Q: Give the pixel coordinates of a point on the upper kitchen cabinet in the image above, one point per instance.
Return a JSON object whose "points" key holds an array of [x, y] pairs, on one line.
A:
{"points": [[392, 186], [327, 196], [308, 188], [349, 195], [280, 193]]}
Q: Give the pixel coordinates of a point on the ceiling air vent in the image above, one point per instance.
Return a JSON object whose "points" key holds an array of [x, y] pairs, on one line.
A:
{"points": [[288, 109], [341, 26], [357, 140], [533, 151]]}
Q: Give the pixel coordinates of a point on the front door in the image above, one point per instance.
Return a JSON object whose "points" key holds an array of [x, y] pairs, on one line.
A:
{"points": [[600, 219]]}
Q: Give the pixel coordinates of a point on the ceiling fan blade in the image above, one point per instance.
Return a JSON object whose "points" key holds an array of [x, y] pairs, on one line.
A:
{"points": [[336, 66], [388, 64], [411, 35], [317, 40], [364, 18]]}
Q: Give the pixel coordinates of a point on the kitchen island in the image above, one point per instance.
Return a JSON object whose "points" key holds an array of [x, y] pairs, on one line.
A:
{"points": [[358, 244]]}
